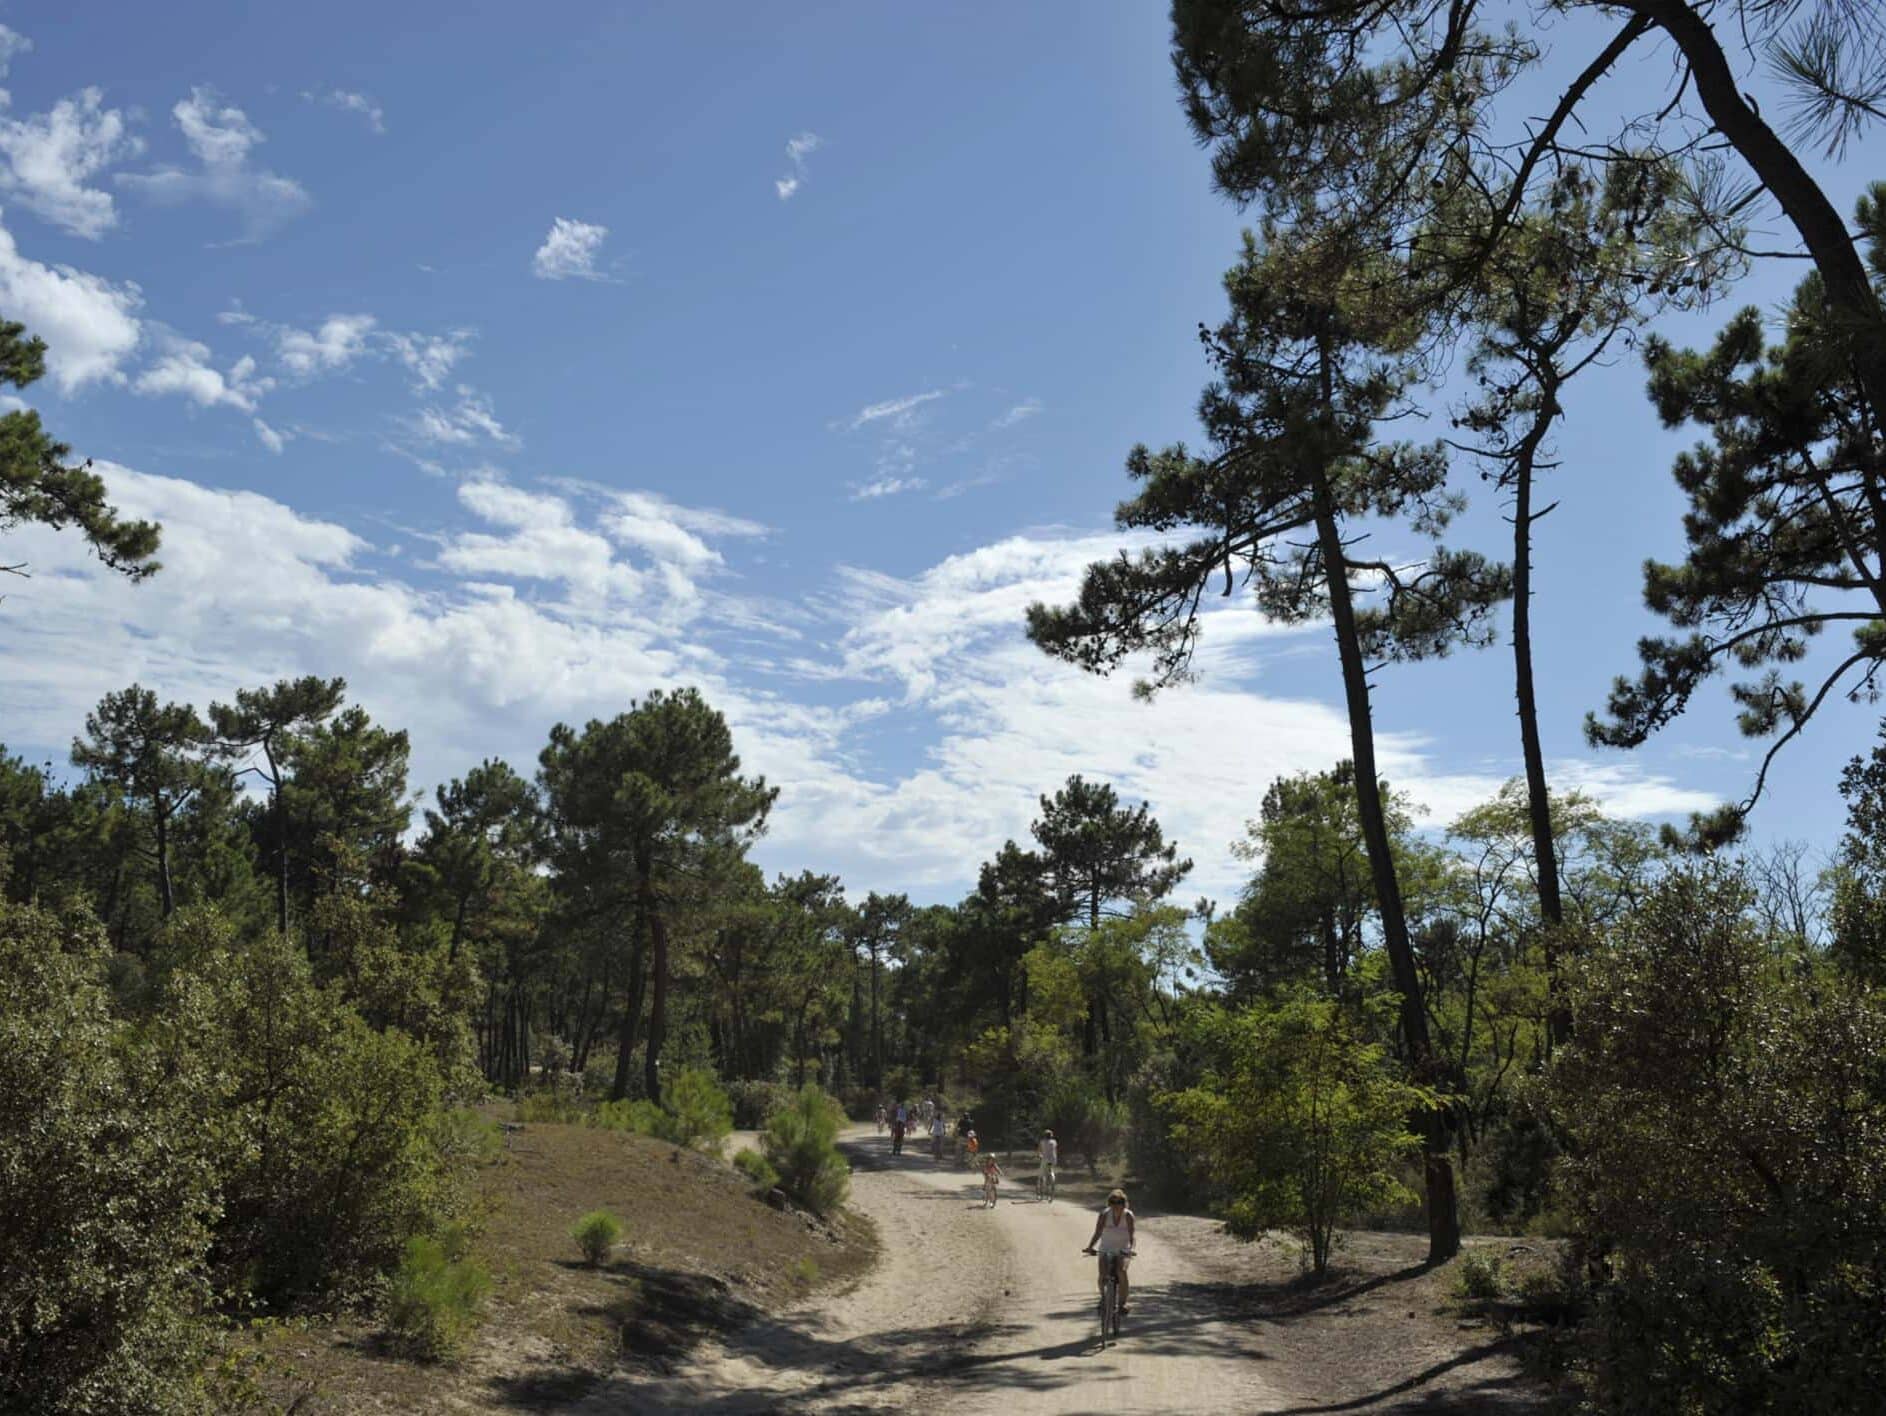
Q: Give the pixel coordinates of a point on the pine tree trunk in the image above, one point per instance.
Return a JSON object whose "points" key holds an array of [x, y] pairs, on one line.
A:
{"points": [[1788, 181], [281, 837], [1442, 1205], [877, 1023], [1545, 860], [631, 1013], [658, 1006], [164, 895]]}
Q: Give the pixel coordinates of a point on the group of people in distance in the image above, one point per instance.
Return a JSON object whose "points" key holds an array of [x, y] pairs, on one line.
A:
{"points": [[1114, 1235]]}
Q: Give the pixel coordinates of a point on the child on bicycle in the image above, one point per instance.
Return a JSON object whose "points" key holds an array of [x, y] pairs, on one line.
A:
{"points": [[1114, 1233], [1050, 1152], [991, 1174]]}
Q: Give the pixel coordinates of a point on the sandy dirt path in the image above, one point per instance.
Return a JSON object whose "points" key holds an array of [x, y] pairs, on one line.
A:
{"points": [[973, 1310]]}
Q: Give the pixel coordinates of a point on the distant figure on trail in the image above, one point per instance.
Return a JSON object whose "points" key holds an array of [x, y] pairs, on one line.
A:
{"points": [[903, 1114], [1114, 1234], [970, 1146], [897, 1133], [1050, 1152], [991, 1175], [880, 1118], [937, 1132]]}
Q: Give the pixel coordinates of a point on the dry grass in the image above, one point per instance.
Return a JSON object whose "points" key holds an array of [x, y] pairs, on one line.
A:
{"points": [[698, 1254]]}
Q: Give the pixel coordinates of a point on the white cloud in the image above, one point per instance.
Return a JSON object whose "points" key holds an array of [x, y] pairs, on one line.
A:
{"points": [[1027, 408], [50, 158], [886, 487], [222, 138], [429, 358], [12, 45], [540, 610], [350, 102], [183, 368], [89, 324], [465, 424], [272, 439], [798, 148], [339, 341], [897, 409], [569, 251]]}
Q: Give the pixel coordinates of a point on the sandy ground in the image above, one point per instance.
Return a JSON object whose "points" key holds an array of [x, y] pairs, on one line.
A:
{"points": [[993, 1310], [985, 1309]]}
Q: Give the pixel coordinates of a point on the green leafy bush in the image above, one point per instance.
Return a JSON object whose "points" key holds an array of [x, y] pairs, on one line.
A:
{"points": [[434, 1297], [1298, 1120], [463, 1137], [801, 1143], [1082, 1119], [107, 1189], [697, 1113], [1478, 1277], [596, 1233], [756, 1168], [1726, 1109], [755, 1102], [553, 1107], [325, 1128]]}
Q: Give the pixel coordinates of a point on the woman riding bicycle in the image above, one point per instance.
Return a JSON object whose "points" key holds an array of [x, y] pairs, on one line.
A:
{"points": [[1114, 1233]]}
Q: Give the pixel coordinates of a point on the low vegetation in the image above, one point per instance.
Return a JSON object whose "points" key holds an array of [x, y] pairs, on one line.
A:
{"points": [[596, 1234]]}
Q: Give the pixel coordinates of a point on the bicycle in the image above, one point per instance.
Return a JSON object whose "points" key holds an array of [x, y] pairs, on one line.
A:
{"points": [[1044, 1185], [1110, 1292]]}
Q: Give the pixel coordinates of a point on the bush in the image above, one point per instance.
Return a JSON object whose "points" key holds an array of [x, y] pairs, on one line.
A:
{"points": [[801, 1143], [464, 1138], [106, 1186], [596, 1234], [755, 1102], [1726, 1113], [1299, 1121], [756, 1168], [1477, 1277], [1084, 1122], [697, 1114], [554, 1106], [326, 1129], [433, 1300]]}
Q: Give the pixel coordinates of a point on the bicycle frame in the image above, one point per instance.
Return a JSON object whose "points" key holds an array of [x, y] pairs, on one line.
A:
{"points": [[1110, 1296]]}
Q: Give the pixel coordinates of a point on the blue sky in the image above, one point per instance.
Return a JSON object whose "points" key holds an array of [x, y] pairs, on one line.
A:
{"points": [[514, 368]]}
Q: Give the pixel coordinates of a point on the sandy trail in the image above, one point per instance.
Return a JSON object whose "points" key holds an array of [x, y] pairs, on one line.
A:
{"points": [[983, 1310]]}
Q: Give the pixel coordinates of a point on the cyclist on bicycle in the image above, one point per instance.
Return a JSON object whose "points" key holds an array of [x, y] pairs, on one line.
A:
{"points": [[1050, 1152], [1113, 1232], [991, 1176]]}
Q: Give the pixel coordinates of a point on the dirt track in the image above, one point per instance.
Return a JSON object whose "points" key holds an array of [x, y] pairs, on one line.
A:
{"points": [[976, 1310], [981, 1309]]}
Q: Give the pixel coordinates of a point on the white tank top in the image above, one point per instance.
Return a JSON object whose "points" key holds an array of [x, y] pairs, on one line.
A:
{"points": [[1114, 1237]]}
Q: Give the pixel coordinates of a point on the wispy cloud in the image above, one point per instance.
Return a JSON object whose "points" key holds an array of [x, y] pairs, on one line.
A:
{"points": [[798, 148], [350, 102], [886, 487], [49, 159], [222, 139], [569, 251], [12, 45], [1026, 409], [183, 368], [894, 408], [339, 341], [467, 423]]}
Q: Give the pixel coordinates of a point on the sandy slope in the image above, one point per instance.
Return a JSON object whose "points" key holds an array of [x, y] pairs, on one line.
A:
{"points": [[976, 1310]]}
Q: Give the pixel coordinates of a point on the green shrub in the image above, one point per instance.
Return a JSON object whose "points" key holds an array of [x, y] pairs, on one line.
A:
{"points": [[697, 1113], [1082, 1119], [1478, 1277], [806, 1271], [463, 1137], [755, 1102], [552, 1107], [326, 1128], [801, 1143], [107, 1188], [433, 1300], [596, 1234], [1725, 1109], [756, 1168], [701, 1113]]}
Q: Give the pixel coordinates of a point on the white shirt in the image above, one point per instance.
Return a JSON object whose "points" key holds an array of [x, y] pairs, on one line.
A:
{"points": [[1050, 1152], [1115, 1238]]}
